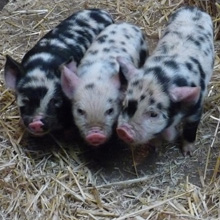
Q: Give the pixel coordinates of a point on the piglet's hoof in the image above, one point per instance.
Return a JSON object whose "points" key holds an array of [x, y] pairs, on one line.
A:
{"points": [[188, 148]]}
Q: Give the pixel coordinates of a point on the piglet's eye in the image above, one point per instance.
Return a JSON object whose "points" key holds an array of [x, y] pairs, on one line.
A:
{"points": [[25, 100], [81, 112], [109, 111], [56, 102], [153, 114]]}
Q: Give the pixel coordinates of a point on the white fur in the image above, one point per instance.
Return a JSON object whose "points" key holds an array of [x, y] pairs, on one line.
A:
{"points": [[102, 71], [173, 46]]}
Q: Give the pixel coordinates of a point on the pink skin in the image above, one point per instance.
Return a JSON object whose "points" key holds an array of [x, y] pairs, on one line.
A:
{"points": [[36, 126], [96, 137], [125, 133]]}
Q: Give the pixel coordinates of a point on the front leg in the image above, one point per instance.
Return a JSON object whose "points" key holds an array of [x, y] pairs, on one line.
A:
{"points": [[189, 136]]}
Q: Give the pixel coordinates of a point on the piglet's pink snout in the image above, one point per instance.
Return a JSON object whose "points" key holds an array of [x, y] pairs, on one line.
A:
{"points": [[96, 139], [125, 134], [36, 126]]}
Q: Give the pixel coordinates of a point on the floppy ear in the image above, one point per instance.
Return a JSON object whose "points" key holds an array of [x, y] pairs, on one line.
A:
{"points": [[185, 94], [69, 80], [128, 69], [12, 71], [71, 65], [116, 81]]}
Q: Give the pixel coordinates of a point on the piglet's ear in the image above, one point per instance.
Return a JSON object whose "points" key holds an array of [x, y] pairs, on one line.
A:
{"points": [[13, 70], [71, 65], [116, 81], [127, 68], [69, 81], [185, 94]]}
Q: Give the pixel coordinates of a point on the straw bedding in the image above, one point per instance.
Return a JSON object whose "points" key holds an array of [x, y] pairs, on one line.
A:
{"points": [[57, 177]]}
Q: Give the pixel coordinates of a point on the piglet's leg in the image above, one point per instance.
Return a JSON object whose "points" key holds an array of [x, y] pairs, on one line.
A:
{"points": [[189, 137]]}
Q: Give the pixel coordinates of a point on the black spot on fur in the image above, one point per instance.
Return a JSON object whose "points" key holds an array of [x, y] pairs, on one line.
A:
{"points": [[97, 17], [34, 95], [106, 50], [142, 97], [189, 66], [130, 91], [159, 106], [201, 38], [82, 40], [200, 27], [93, 52], [27, 80], [180, 81], [195, 72], [122, 43], [192, 84], [142, 57], [34, 92], [84, 33], [163, 49], [110, 100], [135, 83], [206, 52], [157, 58], [136, 29], [87, 64], [162, 77], [201, 71], [82, 23], [90, 86], [209, 34], [113, 32], [196, 42], [112, 64], [111, 41], [172, 64], [127, 36], [151, 101], [124, 50], [131, 108], [102, 38], [197, 16], [131, 58], [178, 34]]}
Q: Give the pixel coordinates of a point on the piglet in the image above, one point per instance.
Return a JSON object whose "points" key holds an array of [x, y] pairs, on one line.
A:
{"points": [[36, 80], [171, 87], [95, 87]]}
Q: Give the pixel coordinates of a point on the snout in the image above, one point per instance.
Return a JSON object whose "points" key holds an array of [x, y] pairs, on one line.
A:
{"points": [[125, 133], [37, 126], [96, 137]]}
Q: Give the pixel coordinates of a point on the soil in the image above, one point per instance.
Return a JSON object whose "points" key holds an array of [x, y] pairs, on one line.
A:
{"points": [[115, 160], [3, 3]]}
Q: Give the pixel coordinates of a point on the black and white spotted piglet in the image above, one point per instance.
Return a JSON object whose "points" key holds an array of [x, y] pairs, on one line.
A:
{"points": [[171, 86], [36, 80], [95, 88]]}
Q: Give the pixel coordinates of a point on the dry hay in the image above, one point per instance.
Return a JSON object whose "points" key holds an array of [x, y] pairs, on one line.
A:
{"points": [[59, 183]]}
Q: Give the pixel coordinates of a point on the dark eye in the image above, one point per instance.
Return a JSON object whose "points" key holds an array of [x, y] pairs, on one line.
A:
{"points": [[80, 111], [56, 102], [109, 111], [153, 114], [26, 100]]}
